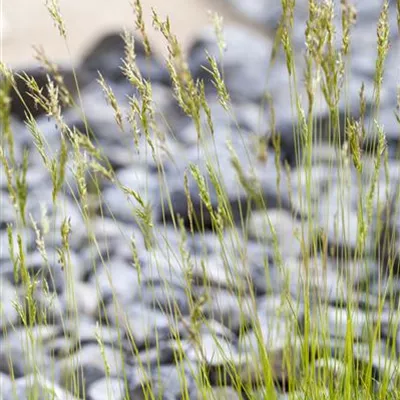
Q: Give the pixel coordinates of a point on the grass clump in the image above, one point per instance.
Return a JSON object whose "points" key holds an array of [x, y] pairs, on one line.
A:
{"points": [[313, 344]]}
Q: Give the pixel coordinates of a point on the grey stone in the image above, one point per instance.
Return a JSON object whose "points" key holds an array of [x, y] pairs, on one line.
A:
{"points": [[19, 133], [164, 263], [88, 365], [339, 218], [49, 273], [267, 13], [243, 116], [40, 334], [389, 284], [8, 215], [143, 326], [329, 370], [39, 74], [260, 262], [321, 177], [259, 174], [87, 331], [156, 153], [60, 347], [223, 393], [213, 351], [388, 235], [168, 298], [164, 353], [18, 358], [164, 382], [8, 314], [232, 310], [107, 389], [259, 11], [299, 395], [279, 338], [245, 61], [50, 131], [278, 306], [112, 241], [276, 226], [51, 307], [336, 322], [384, 366], [204, 244], [388, 320], [216, 329], [86, 299], [35, 386], [121, 206], [365, 301], [108, 230], [27, 237], [116, 280], [276, 326], [329, 280], [324, 154], [5, 383], [117, 144], [221, 273], [50, 217], [101, 126], [107, 55], [166, 242], [324, 280], [385, 183]]}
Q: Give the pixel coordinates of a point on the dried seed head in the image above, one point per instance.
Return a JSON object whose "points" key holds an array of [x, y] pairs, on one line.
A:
{"points": [[140, 25], [54, 10], [355, 135]]}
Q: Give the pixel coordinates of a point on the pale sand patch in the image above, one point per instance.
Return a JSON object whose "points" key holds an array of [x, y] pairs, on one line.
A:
{"points": [[28, 23]]}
